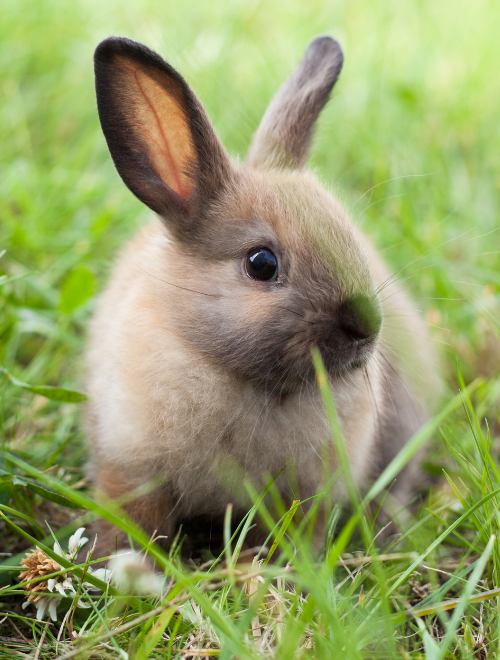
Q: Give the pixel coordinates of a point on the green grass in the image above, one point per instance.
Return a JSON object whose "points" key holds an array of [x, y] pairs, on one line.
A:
{"points": [[412, 141]]}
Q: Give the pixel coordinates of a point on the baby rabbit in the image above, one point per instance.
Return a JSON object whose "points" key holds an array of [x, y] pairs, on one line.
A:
{"points": [[200, 351]]}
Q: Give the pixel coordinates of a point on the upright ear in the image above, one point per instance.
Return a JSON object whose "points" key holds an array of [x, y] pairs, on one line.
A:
{"points": [[159, 136], [286, 130]]}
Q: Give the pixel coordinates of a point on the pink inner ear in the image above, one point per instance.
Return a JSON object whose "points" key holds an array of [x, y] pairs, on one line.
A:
{"points": [[165, 131]]}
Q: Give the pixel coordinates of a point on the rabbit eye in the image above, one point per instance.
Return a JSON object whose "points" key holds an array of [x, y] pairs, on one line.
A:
{"points": [[261, 264]]}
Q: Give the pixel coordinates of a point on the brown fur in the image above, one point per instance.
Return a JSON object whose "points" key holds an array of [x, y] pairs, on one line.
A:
{"points": [[286, 129], [197, 372], [150, 510]]}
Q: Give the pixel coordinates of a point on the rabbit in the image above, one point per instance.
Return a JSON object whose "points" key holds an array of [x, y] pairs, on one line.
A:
{"points": [[199, 360]]}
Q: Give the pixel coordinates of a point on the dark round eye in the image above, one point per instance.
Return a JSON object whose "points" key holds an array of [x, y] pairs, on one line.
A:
{"points": [[261, 264]]}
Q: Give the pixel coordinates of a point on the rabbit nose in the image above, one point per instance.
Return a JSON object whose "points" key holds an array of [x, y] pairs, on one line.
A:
{"points": [[360, 319]]}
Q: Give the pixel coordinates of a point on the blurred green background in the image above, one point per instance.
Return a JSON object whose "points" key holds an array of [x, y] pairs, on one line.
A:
{"points": [[410, 141], [414, 120]]}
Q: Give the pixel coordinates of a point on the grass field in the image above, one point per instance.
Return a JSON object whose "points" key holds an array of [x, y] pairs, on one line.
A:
{"points": [[411, 140]]}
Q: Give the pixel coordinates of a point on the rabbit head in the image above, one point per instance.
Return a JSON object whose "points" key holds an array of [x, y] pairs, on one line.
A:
{"points": [[263, 262]]}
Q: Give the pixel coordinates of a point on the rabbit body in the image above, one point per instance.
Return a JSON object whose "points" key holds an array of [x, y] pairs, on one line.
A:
{"points": [[199, 373]]}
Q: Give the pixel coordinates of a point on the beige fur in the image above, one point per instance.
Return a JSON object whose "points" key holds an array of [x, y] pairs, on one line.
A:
{"points": [[165, 404]]}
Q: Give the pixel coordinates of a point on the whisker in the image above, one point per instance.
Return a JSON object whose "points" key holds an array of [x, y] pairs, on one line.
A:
{"points": [[314, 308], [439, 327], [459, 282], [403, 279], [401, 356], [366, 376], [386, 392], [492, 231], [395, 372], [450, 299], [396, 178], [379, 201], [297, 343], [177, 286], [292, 311], [297, 314], [395, 293], [401, 316], [399, 292], [433, 251], [419, 334]]}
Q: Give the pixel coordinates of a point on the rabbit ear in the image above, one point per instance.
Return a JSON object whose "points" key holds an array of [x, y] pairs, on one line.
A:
{"points": [[159, 136], [286, 130]]}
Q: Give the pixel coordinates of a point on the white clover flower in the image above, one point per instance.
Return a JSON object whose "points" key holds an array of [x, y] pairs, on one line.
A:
{"points": [[74, 544], [37, 565], [103, 574], [60, 586], [131, 572], [42, 605]]}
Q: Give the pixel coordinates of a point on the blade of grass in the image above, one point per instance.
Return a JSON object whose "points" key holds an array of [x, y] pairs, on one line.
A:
{"points": [[153, 636], [22, 516], [464, 599], [452, 603], [60, 394], [282, 530]]}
